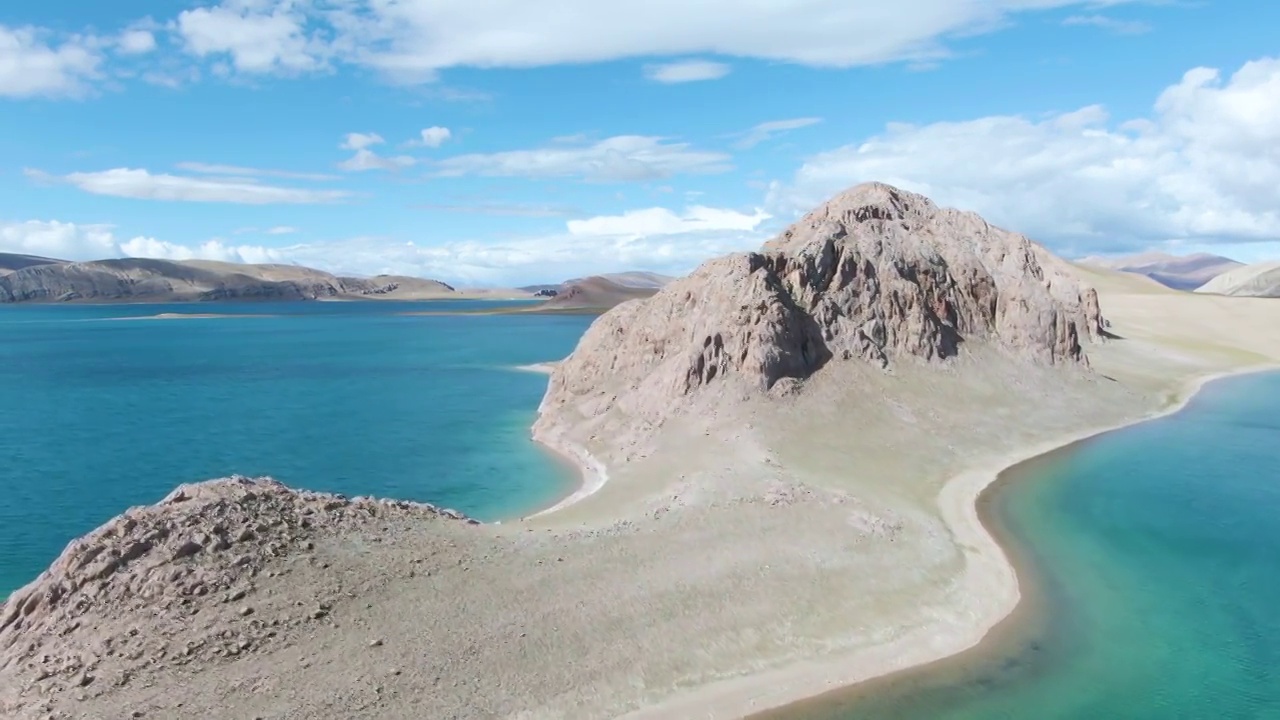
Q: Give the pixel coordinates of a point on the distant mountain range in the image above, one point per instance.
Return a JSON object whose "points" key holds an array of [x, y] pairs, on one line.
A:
{"points": [[30, 278], [26, 278], [1257, 280], [1181, 272], [600, 291]]}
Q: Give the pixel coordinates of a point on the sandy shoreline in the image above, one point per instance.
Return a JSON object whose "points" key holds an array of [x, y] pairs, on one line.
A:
{"points": [[1011, 630], [958, 502]]}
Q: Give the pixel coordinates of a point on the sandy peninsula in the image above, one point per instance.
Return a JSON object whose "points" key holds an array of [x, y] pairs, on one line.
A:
{"points": [[735, 546]]}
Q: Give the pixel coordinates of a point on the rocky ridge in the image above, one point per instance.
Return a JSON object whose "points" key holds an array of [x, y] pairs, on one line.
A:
{"points": [[1180, 272], [172, 584], [876, 274], [1256, 280], [149, 280]]}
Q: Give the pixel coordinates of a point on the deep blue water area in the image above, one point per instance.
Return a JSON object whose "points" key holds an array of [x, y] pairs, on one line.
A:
{"points": [[98, 413]]}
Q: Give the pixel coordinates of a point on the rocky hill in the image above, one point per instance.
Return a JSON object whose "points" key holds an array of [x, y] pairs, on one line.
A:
{"points": [[9, 262], [1257, 280], [147, 280], [600, 292], [199, 551], [875, 275], [1180, 272]]}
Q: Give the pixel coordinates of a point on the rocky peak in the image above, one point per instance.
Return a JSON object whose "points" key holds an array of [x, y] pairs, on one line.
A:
{"points": [[876, 274]]}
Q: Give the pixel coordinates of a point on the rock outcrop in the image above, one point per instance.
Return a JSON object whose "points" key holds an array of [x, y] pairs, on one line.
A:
{"points": [[184, 570], [874, 275]]}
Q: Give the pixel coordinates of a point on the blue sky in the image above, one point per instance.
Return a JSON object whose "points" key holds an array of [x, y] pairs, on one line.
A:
{"points": [[506, 141]]}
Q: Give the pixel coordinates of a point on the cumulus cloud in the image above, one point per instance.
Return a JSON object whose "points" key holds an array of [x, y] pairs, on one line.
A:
{"points": [[62, 240], [525, 260], [366, 159], [432, 137], [258, 36], [144, 185], [615, 159], [361, 141], [1203, 167], [145, 247], [96, 241], [767, 130], [31, 66], [136, 42], [654, 239], [686, 71]]}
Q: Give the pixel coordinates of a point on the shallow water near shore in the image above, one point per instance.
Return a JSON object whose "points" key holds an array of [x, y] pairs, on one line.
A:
{"points": [[1150, 561], [97, 416]]}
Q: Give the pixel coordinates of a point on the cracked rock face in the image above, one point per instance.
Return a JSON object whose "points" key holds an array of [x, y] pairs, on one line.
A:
{"points": [[874, 275]]}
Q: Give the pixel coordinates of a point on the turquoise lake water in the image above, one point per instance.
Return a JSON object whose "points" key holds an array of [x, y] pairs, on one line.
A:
{"points": [[97, 415], [1155, 556]]}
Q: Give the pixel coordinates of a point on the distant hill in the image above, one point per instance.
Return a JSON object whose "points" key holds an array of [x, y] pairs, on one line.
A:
{"points": [[9, 262], [1181, 272], [1257, 280], [606, 291], [147, 280]]}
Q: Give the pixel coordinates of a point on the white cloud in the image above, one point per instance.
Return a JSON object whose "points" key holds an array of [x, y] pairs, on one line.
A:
{"points": [[145, 247], [141, 184], [96, 241], [653, 239], [686, 71], [1203, 167], [1110, 24], [282, 230], [30, 66], [412, 40], [260, 36], [369, 160], [767, 130], [62, 240], [621, 158], [361, 141], [366, 159], [136, 42], [241, 171], [432, 137], [525, 260], [661, 221]]}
